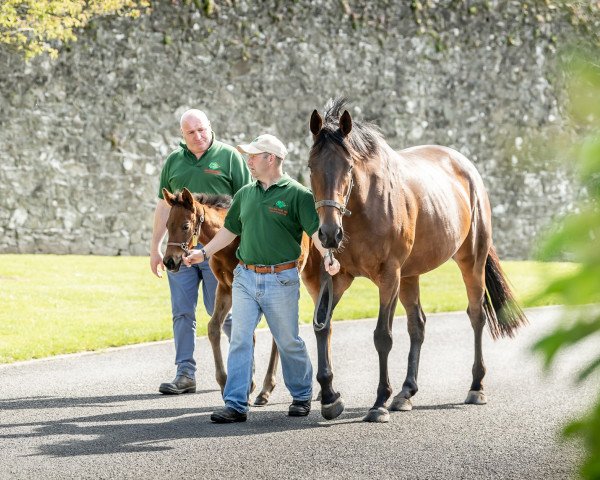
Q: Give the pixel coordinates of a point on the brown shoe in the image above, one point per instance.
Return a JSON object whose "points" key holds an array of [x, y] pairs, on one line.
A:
{"points": [[181, 384]]}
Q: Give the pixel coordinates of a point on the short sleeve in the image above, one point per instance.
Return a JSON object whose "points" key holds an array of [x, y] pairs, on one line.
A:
{"points": [[233, 222], [307, 214], [164, 179], [240, 174]]}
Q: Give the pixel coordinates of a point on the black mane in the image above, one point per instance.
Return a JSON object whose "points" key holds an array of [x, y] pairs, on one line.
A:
{"points": [[210, 200], [363, 141]]}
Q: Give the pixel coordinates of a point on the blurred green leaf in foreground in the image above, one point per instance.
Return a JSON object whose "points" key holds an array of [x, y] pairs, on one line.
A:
{"points": [[579, 238]]}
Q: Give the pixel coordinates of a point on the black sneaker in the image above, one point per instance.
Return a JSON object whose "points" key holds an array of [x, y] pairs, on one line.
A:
{"points": [[227, 415], [181, 384], [299, 408]]}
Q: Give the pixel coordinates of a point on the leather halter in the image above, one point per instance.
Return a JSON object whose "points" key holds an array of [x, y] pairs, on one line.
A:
{"points": [[332, 203], [185, 246]]}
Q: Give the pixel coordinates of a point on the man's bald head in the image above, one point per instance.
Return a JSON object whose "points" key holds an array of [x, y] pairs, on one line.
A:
{"points": [[193, 113], [196, 131]]}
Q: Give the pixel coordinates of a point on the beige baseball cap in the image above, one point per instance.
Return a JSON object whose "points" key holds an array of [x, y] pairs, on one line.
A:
{"points": [[264, 144]]}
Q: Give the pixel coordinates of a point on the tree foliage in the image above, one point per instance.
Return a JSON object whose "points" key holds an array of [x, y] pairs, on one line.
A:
{"points": [[34, 27], [579, 237]]}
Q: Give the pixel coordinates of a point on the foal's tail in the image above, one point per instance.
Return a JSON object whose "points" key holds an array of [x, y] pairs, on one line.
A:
{"points": [[503, 313]]}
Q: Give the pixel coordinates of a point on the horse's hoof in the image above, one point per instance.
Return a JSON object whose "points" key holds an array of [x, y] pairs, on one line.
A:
{"points": [[401, 404], [377, 415], [332, 410], [476, 397], [261, 400], [319, 396]]}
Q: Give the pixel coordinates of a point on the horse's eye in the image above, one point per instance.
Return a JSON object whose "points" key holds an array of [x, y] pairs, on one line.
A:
{"points": [[186, 226]]}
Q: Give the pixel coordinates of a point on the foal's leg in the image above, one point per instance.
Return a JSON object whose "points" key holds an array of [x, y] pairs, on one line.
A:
{"points": [[474, 278], [269, 382], [388, 298], [409, 296], [222, 306]]}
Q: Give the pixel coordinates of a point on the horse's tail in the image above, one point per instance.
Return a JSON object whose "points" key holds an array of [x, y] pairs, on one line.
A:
{"points": [[503, 313]]}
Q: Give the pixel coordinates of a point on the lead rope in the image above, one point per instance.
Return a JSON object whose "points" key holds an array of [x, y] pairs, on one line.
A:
{"points": [[326, 285]]}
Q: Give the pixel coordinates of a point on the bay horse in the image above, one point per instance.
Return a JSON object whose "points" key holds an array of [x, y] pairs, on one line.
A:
{"points": [[411, 211], [202, 215]]}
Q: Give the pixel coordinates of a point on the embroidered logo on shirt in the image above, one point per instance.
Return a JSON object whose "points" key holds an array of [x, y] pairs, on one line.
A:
{"points": [[213, 168], [278, 208]]}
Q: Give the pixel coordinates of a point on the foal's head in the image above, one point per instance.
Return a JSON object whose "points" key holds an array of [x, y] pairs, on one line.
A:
{"points": [[337, 149], [185, 218]]}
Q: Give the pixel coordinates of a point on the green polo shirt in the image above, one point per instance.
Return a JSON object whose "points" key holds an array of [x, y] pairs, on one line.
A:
{"points": [[221, 170], [270, 222]]}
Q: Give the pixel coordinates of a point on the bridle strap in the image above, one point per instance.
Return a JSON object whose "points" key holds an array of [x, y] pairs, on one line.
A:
{"points": [[332, 203], [185, 246]]}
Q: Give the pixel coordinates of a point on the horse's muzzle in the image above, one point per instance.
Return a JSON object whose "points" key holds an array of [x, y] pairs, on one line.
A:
{"points": [[171, 264], [331, 235]]}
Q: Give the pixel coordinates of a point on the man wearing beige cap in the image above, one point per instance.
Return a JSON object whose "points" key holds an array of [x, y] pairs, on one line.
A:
{"points": [[269, 215]]}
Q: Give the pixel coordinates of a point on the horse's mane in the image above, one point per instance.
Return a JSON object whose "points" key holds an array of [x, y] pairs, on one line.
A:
{"points": [[210, 200], [363, 141]]}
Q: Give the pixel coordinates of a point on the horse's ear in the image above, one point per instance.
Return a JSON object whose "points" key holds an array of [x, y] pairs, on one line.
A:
{"points": [[316, 122], [188, 198], [345, 123], [168, 196]]}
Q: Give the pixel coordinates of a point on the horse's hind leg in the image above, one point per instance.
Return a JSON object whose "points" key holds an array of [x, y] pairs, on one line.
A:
{"points": [[269, 382], [474, 278], [222, 306], [409, 296]]}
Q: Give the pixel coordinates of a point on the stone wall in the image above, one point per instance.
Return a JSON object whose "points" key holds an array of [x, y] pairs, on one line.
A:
{"points": [[83, 138]]}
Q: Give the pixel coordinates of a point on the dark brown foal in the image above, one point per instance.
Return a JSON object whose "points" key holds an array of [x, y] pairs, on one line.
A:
{"points": [[202, 215]]}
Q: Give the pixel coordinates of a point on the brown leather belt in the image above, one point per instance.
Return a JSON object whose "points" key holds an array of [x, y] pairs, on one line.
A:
{"points": [[269, 268]]}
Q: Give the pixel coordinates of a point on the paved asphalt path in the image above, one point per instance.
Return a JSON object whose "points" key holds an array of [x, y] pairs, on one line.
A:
{"points": [[99, 415]]}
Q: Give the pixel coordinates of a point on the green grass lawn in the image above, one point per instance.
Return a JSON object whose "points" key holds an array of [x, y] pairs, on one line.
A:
{"points": [[51, 304]]}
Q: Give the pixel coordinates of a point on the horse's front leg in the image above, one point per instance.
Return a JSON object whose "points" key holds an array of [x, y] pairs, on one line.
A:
{"points": [[389, 287], [269, 382], [222, 307], [332, 404]]}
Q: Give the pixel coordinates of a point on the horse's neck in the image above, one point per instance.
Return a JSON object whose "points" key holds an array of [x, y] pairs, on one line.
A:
{"points": [[214, 218], [377, 176]]}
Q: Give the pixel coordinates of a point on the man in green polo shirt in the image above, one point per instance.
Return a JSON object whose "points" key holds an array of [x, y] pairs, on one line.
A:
{"points": [[269, 215], [203, 165]]}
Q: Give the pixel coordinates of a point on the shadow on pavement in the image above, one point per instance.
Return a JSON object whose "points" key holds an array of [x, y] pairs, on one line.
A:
{"points": [[27, 403], [145, 430]]}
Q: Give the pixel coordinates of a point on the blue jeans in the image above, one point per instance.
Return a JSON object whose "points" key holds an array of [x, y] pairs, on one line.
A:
{"points": [[276, 296], [184, 298]]}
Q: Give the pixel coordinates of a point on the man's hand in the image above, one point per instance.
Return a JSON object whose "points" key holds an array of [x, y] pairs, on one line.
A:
{"points": [[156, 264], [332, 266], [191, 259]]}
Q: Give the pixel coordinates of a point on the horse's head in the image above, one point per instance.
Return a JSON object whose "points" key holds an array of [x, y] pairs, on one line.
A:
{"points": [[183, 225], [330, 163]]}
